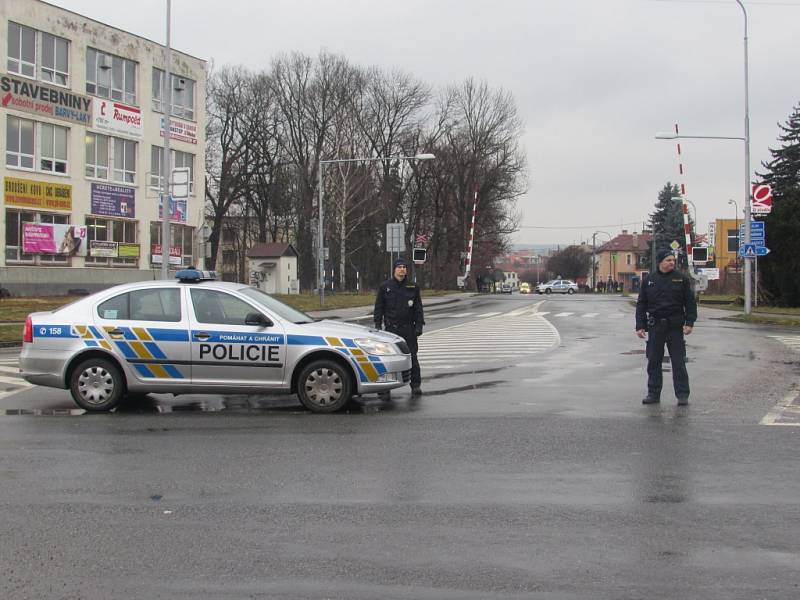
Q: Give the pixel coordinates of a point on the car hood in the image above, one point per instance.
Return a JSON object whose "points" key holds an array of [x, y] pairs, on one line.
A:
{"points": [[328, 327]]}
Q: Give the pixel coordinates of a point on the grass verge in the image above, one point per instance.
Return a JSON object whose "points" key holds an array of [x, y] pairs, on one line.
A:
{"points": [[11, 333]]}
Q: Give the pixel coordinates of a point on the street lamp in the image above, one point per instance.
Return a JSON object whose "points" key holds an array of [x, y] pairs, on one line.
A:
{"points": [[746, 139], [321, 237], [594, 266]]}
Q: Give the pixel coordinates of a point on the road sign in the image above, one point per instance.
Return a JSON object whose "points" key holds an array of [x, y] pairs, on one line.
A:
{"points": [[761, 202], [395, 237], [674, 245], [751, 250]]}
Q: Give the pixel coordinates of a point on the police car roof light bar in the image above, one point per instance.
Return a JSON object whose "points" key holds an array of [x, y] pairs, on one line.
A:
{"points": [[195, 275]]}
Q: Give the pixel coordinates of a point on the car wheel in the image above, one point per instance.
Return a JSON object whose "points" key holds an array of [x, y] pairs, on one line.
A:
{"points": [[324, 386], [97, 384], [547, 291], [570, 291]]}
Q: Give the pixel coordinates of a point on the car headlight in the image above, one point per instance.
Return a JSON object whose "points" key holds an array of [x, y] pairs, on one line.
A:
{"points": [[376, 347]]}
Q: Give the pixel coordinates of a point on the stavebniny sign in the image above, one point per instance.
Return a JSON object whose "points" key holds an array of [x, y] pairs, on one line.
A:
{"points": [[39, 99]]}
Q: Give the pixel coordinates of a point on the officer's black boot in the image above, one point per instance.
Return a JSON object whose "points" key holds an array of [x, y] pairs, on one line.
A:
{"points": [[683, 400], [651, 399]]}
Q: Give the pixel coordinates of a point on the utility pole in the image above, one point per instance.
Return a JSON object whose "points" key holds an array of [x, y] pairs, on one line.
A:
{"points": [[166, 94]]}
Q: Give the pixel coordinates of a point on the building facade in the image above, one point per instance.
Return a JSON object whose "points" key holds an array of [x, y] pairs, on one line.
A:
{"points": [[623, 259], [81, 123]]}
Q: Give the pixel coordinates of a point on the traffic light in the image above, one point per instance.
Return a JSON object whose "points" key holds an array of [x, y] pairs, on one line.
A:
{"points": [[418, 255]]}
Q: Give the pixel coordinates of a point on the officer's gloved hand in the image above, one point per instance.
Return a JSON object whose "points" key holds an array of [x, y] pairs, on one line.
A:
{"points": [[418, 330]]}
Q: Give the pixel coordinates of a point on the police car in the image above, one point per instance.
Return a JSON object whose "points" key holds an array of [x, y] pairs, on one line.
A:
{"points": [[197, 335]]}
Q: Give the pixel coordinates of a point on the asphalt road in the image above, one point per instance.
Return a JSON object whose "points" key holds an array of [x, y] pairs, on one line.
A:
{"points": [[529, 469]]}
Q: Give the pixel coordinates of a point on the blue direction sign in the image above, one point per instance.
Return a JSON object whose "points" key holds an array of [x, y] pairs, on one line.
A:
{"points": [[752, 250]]}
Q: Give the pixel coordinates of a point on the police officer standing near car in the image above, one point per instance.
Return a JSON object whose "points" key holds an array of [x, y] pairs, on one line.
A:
{"points": [[398, 306], [665, 312]]}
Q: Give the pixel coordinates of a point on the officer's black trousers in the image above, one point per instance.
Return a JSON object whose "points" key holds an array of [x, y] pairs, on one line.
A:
{"points": [[659, 334], [408, 333]]}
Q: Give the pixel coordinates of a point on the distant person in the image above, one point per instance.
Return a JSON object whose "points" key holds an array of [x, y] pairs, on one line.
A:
{"points": [[398, 307], [601, 287], [665, 312]]}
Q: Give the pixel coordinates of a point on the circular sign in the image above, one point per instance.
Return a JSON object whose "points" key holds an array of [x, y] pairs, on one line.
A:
{"points": [[762, 193]]}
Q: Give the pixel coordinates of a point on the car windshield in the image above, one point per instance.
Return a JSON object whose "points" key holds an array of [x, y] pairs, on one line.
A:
{"points": [[552, 282], [275, 306]]}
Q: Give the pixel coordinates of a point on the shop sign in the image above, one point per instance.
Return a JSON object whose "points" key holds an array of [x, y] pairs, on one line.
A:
{"points": [[113, 200], [40, 99], [37, 194], [183, 131], [177, 210], [49, 238], [101, 249], [128, 250], [174, 254], [117, 118]]}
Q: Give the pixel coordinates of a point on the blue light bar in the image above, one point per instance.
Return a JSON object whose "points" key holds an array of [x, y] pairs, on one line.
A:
{"points": [[195, 275]]}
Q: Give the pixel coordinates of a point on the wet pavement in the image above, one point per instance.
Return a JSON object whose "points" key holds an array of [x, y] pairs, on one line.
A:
{"points": [[541, 477]]}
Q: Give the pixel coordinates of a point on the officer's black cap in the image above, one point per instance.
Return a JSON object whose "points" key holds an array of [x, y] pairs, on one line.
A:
{"points": [[663, 254], [400, 262]]}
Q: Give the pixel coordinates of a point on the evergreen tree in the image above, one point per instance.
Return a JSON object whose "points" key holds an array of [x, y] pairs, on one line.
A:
{"points": [[667, 222], [779, 270]]}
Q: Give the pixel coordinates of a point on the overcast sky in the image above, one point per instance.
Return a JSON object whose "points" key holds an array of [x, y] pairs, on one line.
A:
{"points": [[594, 81]]}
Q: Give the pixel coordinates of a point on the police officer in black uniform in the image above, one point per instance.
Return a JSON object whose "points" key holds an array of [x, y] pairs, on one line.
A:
{"points": [[398, 306], [666, 311]]}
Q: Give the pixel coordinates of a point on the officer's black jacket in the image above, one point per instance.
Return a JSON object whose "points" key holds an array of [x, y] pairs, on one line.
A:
{"points": [[666, 296], [398, 303]]}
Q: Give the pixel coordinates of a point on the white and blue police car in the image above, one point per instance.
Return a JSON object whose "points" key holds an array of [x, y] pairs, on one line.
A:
{"points": [[201, 336]]}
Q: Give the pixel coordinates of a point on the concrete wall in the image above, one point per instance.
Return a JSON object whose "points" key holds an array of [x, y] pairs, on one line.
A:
{"points": [[57, 281]]}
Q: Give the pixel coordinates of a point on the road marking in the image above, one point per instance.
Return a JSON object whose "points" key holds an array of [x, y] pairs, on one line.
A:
{"points": [[9, 369], [590, 315], [489, 314], [793, 341], [459, 315], [564, 314], [786, 413]]}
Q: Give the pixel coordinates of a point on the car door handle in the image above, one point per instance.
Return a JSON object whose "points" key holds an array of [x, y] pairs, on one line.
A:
{"points": [[116, 331], [202, 335]]}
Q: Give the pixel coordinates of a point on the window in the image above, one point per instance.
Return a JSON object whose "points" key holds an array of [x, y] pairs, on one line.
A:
{"points": [[159, 304], [21, 150], [55, 59], [14, 221], [124, 160], [53, 148], [100, 149], [181, 236], [179, 160], [628, 259], [110, 230], [14, 254], [733, 240], [21, 50], [219, 308], [97, 155], [110, 76], [19, 143], [182, 94]]}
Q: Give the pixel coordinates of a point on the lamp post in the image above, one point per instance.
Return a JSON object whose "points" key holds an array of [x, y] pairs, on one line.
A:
{"points": [[321, 237], [594, 266], [746, 139], [166, 92]]}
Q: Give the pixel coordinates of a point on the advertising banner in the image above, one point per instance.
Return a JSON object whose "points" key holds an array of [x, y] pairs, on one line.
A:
{"points": [[174, 254], [128, 250], [113, 200], [47, 238], [37, 194], [114, 117], [177, 210], [102, 249], [183, 131], [42, 100]]}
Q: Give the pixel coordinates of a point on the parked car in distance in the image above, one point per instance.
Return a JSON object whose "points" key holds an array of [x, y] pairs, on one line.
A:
{"points": [[557, 286], [506, 288], [524, 288]]}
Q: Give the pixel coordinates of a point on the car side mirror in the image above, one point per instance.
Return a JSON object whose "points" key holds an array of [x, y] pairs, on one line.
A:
{"points": [[257, 319]]}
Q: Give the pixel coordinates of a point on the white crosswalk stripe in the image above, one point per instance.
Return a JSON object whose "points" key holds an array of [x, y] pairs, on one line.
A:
{"points": [[793, 341], [564, 314], [10, 380], [504, 337], [590, 315]]}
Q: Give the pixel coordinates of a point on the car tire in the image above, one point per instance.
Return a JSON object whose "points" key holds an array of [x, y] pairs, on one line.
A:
{"points": [[548, 291], [324, 386], [570, 291], [97, 385]]}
